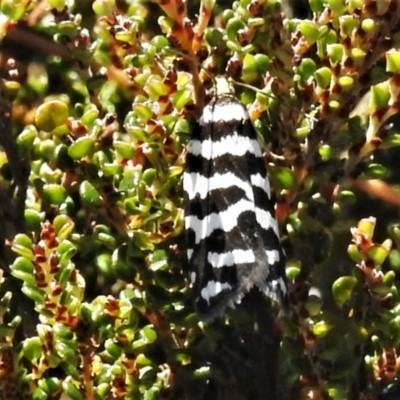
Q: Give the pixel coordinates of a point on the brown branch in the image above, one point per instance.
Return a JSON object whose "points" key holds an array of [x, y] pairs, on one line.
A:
{"points": [[380, 189], [267, 355]]}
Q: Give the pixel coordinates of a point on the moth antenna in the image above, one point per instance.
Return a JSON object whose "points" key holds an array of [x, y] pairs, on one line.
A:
{"points": [[247, 86]]}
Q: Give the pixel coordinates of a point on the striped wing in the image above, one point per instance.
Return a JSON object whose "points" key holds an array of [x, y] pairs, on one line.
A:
{"points": [[232, 235]]}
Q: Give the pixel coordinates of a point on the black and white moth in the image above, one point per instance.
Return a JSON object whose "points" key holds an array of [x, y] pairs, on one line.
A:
{"points": [[232, 234]]}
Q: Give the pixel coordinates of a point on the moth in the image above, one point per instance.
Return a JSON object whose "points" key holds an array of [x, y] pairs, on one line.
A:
{"points": [[232, 234]]}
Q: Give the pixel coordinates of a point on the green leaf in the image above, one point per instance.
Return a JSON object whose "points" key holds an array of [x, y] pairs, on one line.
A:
{"points": [[232, 28], [50, 115], [149, 333], [152, 394], [380, 96], [81, 148], [37, 295], [33, 218], [393, 61], [89, 194], [124, 149], [22, 245], [343, 288], [71, 390], [142, 241], [378, 253], [283, 177], [307, 68], [321, 328], [376, 171], [56, 194], [49, 385], [22, 268], [27, 136], [32, 348], [310, 30], [63, 226], [214, 37], [249, 70], [323, 77], [335, 52]]}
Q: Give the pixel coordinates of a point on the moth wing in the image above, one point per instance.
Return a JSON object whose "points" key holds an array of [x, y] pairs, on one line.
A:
{"points": [[233, 242]]}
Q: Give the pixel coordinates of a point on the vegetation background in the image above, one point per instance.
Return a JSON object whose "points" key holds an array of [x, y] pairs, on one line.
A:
{"points": [[96, 106]]}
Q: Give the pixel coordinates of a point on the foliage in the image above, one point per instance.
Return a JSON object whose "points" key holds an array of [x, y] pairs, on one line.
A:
{"points": [[95, 300]]}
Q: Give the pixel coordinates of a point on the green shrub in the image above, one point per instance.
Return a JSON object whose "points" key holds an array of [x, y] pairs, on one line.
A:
{"points": [[95, 112]]}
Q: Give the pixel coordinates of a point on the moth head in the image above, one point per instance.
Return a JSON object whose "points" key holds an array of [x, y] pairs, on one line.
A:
{"points": [[223, 87]]}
